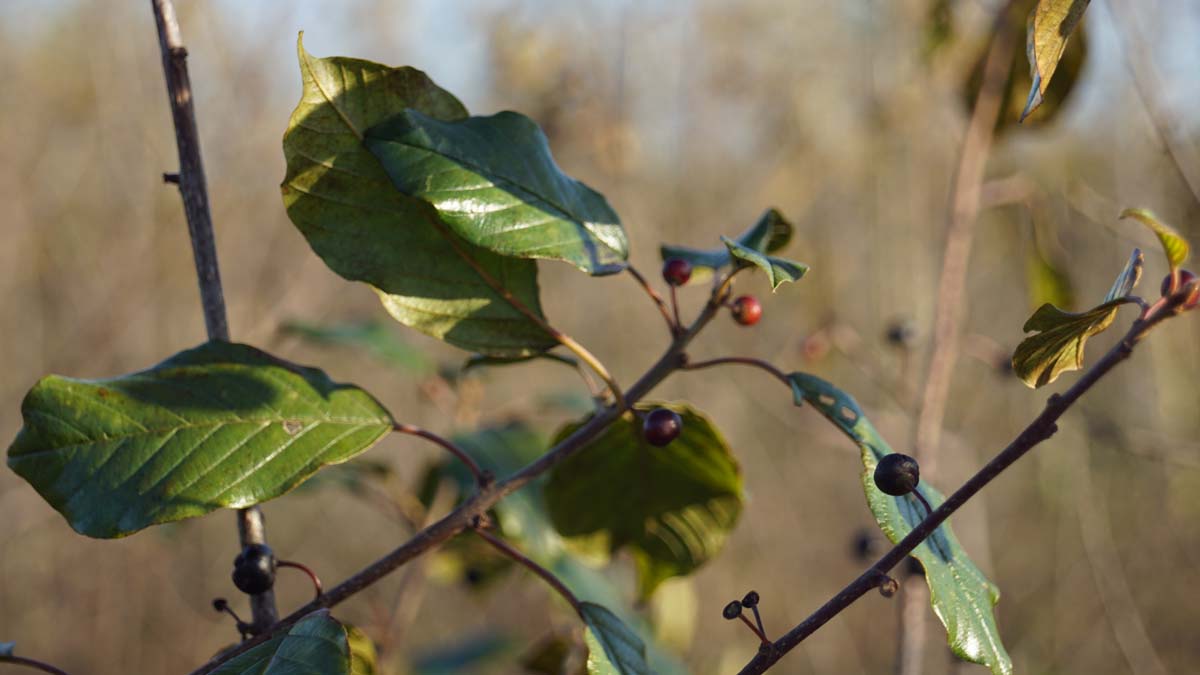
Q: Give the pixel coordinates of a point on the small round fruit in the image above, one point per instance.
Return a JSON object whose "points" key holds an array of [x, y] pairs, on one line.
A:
{"points": [[254, 569], [747, 310], [732, 611], [897, 474], [1185, 277], [751, 600], [677, 271], [662, 425]]}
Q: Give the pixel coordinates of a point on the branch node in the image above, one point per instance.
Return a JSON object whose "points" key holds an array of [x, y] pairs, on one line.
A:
{"points": [[171, 178]]}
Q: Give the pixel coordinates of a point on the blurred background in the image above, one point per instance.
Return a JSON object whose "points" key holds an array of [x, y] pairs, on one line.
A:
{"points": [[692, 117]]}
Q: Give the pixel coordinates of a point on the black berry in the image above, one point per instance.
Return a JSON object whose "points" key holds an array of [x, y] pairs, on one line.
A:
{"points": [[677, 271], [220, 604], [662, 425], [732, 611], [751, 600], [897, 474], [254, 569], [747, 310]]}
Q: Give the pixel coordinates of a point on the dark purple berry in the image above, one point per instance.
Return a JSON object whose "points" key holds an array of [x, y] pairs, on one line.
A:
{"points": [[662, 425], [751, 600], [897, 474], [254, 569], [677, 271], [732, 611], [1185, 278], [747, 310]]}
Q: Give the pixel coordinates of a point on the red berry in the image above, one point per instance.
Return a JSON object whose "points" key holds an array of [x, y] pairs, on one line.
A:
{"points": [[747, 310], [677, 271], [661, 426], [1185, 277]]}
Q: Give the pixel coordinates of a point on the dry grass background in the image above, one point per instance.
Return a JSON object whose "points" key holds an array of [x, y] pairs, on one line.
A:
{"points": [[691, 117]]}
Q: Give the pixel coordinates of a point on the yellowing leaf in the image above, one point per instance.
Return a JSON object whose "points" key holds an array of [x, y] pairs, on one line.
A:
{"points": [[1174, 245], [1050, 24]]}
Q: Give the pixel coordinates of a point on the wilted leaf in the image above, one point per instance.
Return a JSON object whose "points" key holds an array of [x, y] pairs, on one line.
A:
{"points": [[1050, 24], [613, 649], [771, 233], [223, 425], [778, 270], [343, 201], [493, 181], [1060, 336], [672, 507], [1174, 245], [315, 645], [961, 596]]}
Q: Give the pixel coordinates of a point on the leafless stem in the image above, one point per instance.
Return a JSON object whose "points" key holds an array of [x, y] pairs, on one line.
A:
{"points": [[193, 189], [740, 361], [481, 477], [1041, 428], [546, 575], [316, 581], [32, 663], [673, 324]]}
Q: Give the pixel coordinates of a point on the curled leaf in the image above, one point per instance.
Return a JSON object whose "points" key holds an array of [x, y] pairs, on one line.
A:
{"points": [[1050, 24], [1174, 245], [778, 270], [771, 233]]}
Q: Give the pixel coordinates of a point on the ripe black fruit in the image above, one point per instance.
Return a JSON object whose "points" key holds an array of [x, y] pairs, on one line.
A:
{"points": [[732, 611], [747, 310], [897, 474], [677, 271], [254, 569], [751, 600], [661, 426]]}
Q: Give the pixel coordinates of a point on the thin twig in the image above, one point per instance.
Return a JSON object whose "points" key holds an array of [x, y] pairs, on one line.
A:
{"points": [[740, 361], [194, 191], [32, 663], [546, 575], [316, 581], [672, 324], [1040, 429], [481, 477]]}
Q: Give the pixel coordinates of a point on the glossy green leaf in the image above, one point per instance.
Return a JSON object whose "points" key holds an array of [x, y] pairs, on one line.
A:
{"points": [[376, 337], [771, 233], [778, 270], [363, 658], [315, 645], [494, 182], [672, 507], [1174, 245], [613, 649], [1059, 339], [342, 200], [1050, 25], [961, 596], [220, 426]]}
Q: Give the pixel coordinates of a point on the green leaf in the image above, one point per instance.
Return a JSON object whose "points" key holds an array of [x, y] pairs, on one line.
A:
{"points": [[961, 596], [613, 649], [363, 658], [672, 507], [342, 200], [778, 270], [1050, 24], [379, 339], [316, 645], [494, 182], [222, 425], [771, 233], [1060, 336], [1174, 245], [484, 361], [7, 648]]}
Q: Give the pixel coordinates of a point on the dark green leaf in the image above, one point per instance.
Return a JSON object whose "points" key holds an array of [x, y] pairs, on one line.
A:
{"points": [[493, 181], [376, 337], [316, 645], [482, 360], [962, 597], [1174, 245], [613, 649], [1060, 336], [778, 270], [220, 426], [1050, 24], [362, 652], [771, 233], [672, 507], [344, 203]]}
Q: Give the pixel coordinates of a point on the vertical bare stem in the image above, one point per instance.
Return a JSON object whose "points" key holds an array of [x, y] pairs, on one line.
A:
{"points": [[194, 191]]}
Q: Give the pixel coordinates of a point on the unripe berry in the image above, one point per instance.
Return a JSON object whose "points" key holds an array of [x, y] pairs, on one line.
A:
{"points": [[254, 569], [747, 310], [677, 271], [897, 474], [661, 426]]}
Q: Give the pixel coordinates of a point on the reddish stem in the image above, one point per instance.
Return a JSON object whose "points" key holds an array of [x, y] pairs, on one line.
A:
{"points": [[316, 581]]}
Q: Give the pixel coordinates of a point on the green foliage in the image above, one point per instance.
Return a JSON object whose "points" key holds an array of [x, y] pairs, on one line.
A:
{"points": [[493, 181], [363, 657], [1050, 25], [672, 507], [770, 233], [778, 270], [613, 649], [315, 645], [961, 596], [1059, 339], [376, 338], [343, 201], [222, 425], [1174, 245]]}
